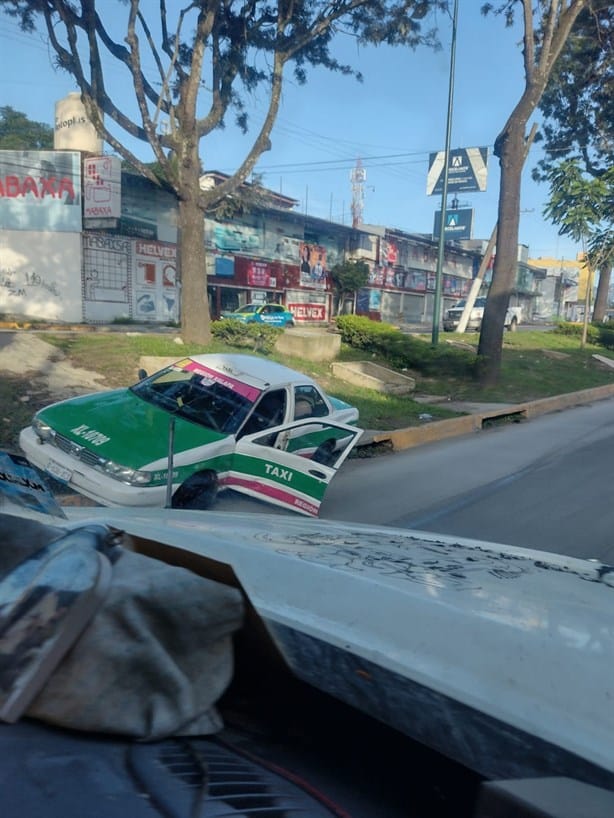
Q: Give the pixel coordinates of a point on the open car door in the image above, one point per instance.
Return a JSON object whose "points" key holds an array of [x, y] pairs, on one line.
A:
{"points": [[292, 465]]}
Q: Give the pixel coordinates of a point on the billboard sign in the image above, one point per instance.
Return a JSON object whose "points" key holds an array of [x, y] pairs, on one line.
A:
{"points": [[458, 224], [40, 191], [313, 265], [467, 171], [102, 187]]}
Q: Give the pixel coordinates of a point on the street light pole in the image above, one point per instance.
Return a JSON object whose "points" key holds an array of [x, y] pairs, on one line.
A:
{"points": [[444, 192]]}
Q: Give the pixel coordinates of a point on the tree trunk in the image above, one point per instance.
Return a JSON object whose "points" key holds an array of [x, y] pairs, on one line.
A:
{"points": [[195, 319], [511, 151], [603, 291]]}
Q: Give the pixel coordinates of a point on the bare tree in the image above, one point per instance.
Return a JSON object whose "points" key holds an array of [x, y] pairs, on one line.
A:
{"points": [[546, 26], [207, 56]]}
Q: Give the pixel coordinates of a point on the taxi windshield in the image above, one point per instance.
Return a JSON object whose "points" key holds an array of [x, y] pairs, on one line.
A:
{"points": [[200, 398]]}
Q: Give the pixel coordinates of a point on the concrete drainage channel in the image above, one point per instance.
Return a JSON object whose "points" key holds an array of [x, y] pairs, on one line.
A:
{"points": [[400, 439]]}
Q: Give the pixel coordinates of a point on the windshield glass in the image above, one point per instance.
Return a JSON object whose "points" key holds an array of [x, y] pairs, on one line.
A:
{"points": [[199, 394], [479, 302], [248, 308]]}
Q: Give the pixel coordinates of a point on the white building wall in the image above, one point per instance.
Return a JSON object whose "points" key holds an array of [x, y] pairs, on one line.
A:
{"points": [[40, 275]]}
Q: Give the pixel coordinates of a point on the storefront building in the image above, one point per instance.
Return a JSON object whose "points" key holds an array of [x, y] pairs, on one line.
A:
{"points": [[98, 244]]}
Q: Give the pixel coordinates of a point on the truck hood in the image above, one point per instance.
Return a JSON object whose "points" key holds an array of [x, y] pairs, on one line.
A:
{"points": [[122, 427]]}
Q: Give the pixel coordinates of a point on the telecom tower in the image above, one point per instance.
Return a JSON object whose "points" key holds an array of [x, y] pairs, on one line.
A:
{"points": [[358, 176]]}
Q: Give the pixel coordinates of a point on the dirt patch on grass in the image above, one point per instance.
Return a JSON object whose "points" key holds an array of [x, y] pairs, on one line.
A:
{"points": [[34, 374]]}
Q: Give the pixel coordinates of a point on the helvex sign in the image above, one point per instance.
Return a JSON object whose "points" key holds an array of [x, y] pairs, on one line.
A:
{"points": [[308, 312]]}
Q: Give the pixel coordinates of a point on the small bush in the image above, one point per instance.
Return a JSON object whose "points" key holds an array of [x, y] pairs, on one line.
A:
{"points": [[568, 328], [403, 351], [604, 334], [598, 334], [259, 337]]}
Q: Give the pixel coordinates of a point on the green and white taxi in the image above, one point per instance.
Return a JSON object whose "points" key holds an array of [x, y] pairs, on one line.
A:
{"points": [[203, 424]]}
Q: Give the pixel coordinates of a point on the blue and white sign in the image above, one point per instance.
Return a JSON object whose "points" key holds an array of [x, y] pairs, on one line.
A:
{"points": [[467, 171], [458, 224]]}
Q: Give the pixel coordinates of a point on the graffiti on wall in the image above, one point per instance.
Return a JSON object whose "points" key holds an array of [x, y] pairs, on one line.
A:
{"points": [[20, 285]]}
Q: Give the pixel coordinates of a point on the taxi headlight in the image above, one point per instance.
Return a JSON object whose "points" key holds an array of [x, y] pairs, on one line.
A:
{"points": [[126, 474], [42, 430]]}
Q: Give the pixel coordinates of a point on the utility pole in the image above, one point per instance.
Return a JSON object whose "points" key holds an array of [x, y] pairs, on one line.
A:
{"points": [[444, 192]]}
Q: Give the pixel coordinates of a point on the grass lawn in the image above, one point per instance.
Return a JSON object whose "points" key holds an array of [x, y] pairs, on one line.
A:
{"points": [[535, 364]]}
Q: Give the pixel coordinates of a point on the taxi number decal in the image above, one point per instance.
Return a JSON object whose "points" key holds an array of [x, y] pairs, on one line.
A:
{"points": [[91, 435]]}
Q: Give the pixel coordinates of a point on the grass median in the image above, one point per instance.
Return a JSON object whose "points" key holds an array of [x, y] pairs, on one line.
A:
{"points": [[535, 364]]}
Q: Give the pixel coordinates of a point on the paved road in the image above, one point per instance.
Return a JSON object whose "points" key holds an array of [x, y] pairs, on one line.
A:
{"points": [[544, 483]]}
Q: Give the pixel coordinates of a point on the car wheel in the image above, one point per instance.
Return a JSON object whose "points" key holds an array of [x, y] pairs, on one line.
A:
{"points": [[325, 453], [198, 492]]}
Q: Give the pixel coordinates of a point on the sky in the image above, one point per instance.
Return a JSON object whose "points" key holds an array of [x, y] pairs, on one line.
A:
{"points": [[392, 121]]}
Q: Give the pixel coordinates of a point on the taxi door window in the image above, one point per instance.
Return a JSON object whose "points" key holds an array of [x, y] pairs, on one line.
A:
{"points": [[269, 411], [308, 402]]}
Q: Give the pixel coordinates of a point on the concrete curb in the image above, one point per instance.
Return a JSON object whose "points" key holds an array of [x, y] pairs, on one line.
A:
{"points": [[440, 430]]}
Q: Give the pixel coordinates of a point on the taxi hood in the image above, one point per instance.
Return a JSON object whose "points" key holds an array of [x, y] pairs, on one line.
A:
{"points": [[121, 426]]}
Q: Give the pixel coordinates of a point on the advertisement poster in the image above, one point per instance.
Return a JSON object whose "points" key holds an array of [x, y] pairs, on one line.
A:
{"points": [[156, 296], [102, 187], [219, 266], [231, 237], [390, 253], [284, 248], [259, 275], [376, 276], [375, 300], [265, 275], [313, 265]]}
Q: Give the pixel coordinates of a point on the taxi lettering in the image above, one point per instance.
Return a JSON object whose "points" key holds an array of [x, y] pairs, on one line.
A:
{"points": [[276, 471], [91, 435]]}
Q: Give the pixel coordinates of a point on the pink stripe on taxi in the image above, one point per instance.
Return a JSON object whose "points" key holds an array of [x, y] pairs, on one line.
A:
{"points": [[249, 392], [273, 492]]}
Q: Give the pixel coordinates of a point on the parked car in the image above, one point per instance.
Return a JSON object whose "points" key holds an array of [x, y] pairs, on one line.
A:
{"points": [[273, 314], [453, 316], [225, 421]]}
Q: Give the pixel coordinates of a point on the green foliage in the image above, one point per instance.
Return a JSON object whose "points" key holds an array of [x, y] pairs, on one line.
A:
{"points": [[259, 337], [349, 276], [578, 103], [578, 204], [403, 351], [359, 331], [600, 334], [19, 133]]}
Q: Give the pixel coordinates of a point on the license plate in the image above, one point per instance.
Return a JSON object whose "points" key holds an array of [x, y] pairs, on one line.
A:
{"points": [[59, 472]]}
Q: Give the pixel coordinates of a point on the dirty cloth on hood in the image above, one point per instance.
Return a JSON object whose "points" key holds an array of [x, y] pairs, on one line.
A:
{"points": [[155, 658]]}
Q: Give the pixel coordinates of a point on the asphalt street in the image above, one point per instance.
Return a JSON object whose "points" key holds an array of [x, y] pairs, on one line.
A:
{"points": [[543, 483]]}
